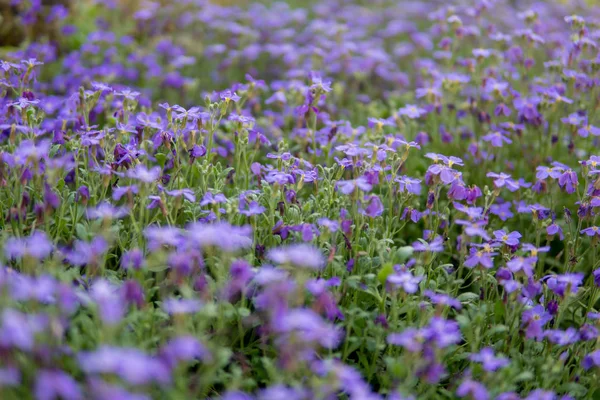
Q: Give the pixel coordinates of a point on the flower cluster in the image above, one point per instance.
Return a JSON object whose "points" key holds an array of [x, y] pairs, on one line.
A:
{"points": [[312, 200]]}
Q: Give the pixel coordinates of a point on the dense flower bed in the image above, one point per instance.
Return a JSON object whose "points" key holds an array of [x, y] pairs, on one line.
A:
{"points": [[338, 199]]}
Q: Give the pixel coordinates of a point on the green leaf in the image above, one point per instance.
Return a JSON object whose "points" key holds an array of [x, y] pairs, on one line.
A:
{"points": [[81, 231], [161, 159], [467, 297], [499, 311], [243, 312], [384, 272], [524, 376], [404, 253], [463, 320]]}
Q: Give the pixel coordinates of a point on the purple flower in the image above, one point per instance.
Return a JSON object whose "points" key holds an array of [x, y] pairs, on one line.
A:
{"points": [[497, 138], [119, 192], [472, 388], [141, 173], [105, 391], [183, 348], [309, 327], [407, 184], [348, 187], [174, 306], [86, 253], [568, 181], [130, 364], [374, 207], [435, 246], [54, 385], [210, 198], [474, 228], [527, 108], [412, 111], [220, 235], [197, 151], [414, 215], [503, 180], [109, 301], [333, 226], [588, 332], [228, 96], [503, 211], [591, 360], [236, 395], [540, 394], [573, 119], [38, 246], [9, 376], [252, 208], [489, 360], [133, 258], [411, 339], [443, 299], [562, 338], [534, 319], [105, 210], [525, 264], [545, 172], [591, 231], [555, 229], [480, 257], [298, 255], [509, 239], [443, 332], [565, 283], [18, 330], [405, 280], [188, 194]]}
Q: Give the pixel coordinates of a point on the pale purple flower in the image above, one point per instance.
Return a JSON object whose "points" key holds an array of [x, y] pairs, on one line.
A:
{"points": [[591, 360], [188, 194], [405, 280], [472, 388], [220, 235], [141, 173], [525, 264], [183, 348], [407, 184], [374, 207], [534, 319], [412, 111], [130, 364], [562, 338], [9, 376], [361, 183], [435, 246], [308, 326], [53, 384], [105, 210], [252, 208], [509, 239], [503, 180], [332, 225], [443, 299], [480, 257], [489, 360], [591, 231], [176, 306], [298, 255]]}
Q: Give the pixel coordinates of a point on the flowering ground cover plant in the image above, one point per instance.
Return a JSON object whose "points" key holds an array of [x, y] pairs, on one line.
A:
{"points": [[316, 200]]}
